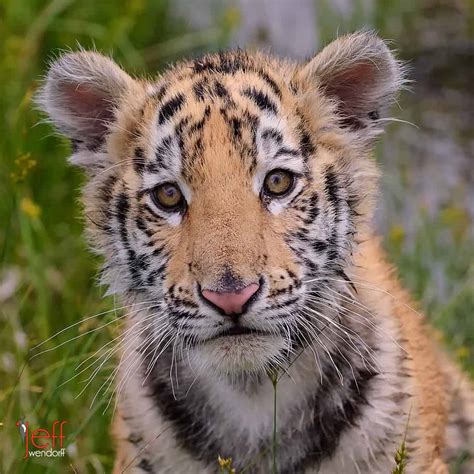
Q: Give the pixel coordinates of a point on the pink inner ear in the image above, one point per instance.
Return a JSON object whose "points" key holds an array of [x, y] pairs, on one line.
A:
{"points": [[360, 72], [353, 85], [90, 106]]}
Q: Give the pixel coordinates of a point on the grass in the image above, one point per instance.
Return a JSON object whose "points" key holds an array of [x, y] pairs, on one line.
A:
{"points": [[47, 276]]}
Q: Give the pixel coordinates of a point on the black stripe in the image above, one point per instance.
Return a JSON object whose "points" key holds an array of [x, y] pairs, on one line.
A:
{"points": [[352, 122], [199, 89], [204, 64], [282, 305], [313, 210], [160, 93], [142, 261], [262, 101], [134, 264], [306, 144], [220, 90], [158, 250], [154, 274], [76, 145], [342, 415], [319, 245], [152, 213], [331, 187], [169, 108], [236, 128], [286, 151], [222, 63], [332, 255], [106, 189], [122, 208], [145, 465], [190, 429], [296, 197], [139, 160], [374, 115], [271, 133], [313, 267], [270, 82], [142, 226], [161, 153], [181, 125]]}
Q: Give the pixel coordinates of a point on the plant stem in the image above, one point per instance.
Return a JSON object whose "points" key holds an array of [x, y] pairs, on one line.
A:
{"points": [[274, 379]]}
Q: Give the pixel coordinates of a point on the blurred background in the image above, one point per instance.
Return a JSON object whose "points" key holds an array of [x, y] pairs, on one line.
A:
{"points": [[47, 276]]}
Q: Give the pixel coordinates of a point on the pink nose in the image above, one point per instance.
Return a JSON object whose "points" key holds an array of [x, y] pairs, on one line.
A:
{"points": [[231, 302]]}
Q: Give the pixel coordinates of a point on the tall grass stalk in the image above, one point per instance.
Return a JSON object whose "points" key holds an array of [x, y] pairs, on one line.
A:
{"points": [[273, 376]]}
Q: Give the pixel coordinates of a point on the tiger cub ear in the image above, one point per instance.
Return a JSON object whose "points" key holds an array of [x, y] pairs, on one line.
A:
{"points": [[360, 74], [81, 94]]}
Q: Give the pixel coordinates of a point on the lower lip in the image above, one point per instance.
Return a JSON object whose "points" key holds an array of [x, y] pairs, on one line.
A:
{"points": [[238, 332]]}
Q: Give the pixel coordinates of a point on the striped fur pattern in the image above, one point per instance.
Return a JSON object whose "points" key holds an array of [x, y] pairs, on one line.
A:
{"points": [[358, 370]]}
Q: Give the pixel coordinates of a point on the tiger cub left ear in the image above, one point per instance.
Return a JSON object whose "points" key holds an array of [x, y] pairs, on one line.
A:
{"points": [[360, 74]]}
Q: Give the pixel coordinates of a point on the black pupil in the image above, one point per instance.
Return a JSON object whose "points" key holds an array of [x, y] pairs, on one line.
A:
{"points": [[277, 179], [170, 191]]}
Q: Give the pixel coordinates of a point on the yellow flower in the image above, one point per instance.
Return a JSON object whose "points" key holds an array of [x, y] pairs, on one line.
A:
{"points": [[30, 208], [462, 352], [438, 335], [23, 165], [226, 465], [457, 219], [231, 18], [396, 235]]}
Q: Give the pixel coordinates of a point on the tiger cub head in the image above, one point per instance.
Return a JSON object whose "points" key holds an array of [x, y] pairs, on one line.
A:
{"points": [[229, 192]]}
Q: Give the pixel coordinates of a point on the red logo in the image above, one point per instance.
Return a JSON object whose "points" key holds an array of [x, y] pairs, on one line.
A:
{"points": [[43, 442]]}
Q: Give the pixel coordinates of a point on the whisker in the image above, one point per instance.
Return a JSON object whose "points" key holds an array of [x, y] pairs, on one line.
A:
{"points": [[149, 340], [108, 357], [122, 334], [347, 340], [87, 319], [375, 288], [370, 324], [110, 351]]}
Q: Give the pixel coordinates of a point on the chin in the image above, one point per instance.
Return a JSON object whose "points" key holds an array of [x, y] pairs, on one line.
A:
{"points": [[238, 355]]}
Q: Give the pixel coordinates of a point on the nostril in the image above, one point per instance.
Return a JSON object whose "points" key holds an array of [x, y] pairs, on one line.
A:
{"points": [[231, 302]]}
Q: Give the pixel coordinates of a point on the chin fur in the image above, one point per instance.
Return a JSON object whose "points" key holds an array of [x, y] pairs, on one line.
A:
{"points": [[237, 355]]}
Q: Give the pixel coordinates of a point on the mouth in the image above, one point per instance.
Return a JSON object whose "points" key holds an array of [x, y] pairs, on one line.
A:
{"points": [[238, 331], [237, 349]]}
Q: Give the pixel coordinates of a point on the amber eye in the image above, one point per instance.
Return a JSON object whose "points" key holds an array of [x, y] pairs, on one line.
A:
{"points": [[168, 196], [278, 183]]}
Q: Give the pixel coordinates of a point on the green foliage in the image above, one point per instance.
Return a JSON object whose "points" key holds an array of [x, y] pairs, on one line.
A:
{"points": [[400, 459], [401, 455]]}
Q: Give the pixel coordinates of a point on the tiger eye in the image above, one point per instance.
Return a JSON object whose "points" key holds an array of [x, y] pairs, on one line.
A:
{"points": [[168, 196], [278, 183]]}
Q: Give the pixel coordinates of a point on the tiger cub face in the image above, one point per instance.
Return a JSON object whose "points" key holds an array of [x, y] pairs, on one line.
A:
{"points": [[229, 192]]}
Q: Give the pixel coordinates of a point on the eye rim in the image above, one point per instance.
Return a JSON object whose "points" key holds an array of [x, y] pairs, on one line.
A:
{"points": [[178, 207], [268, 193]]}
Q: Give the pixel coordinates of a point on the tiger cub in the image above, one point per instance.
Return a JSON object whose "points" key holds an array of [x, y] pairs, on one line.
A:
{"points": [[231, 198]]}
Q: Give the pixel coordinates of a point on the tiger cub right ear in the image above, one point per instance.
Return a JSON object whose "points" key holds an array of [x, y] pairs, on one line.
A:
{"points": [[81, 93]]}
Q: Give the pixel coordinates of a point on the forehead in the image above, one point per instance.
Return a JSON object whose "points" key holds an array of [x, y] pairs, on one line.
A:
{"points": [[224, 112]]}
